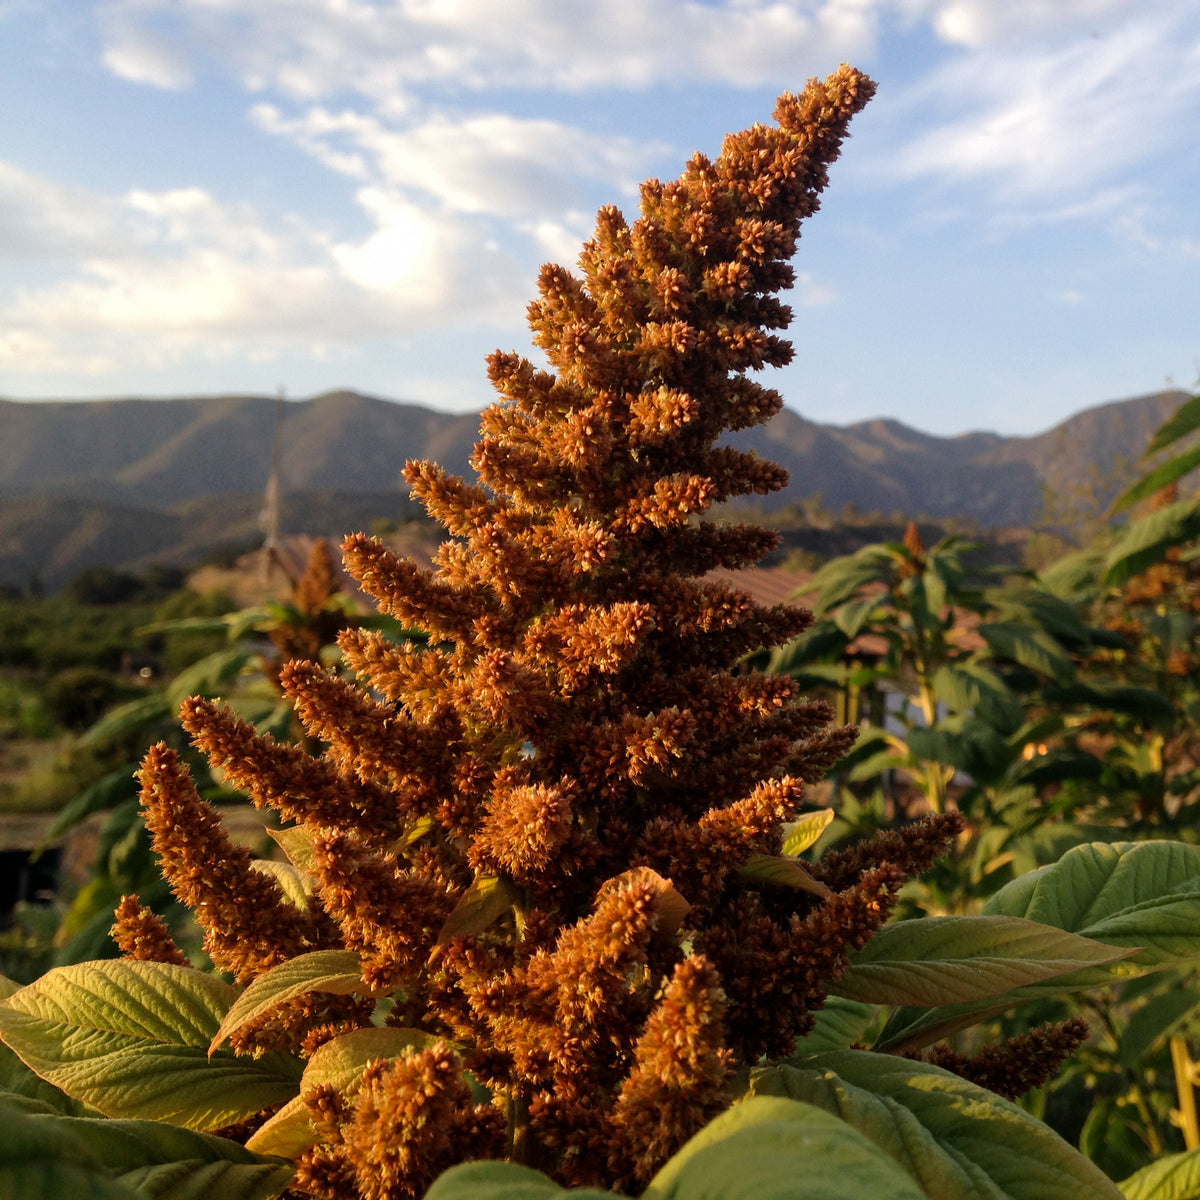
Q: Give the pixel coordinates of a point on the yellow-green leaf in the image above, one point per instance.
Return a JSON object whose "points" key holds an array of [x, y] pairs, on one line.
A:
{"points": [[297, 888], [296, 843], [338, 1064], [485, 901], [786, 872], [336, 971], [131, 1040], [805, 831]]}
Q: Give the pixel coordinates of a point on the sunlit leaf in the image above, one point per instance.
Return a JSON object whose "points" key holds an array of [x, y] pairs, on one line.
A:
{"points": [[336, 971], [338, 1064], [946, 960], [484, 902], [131, 1040], [774, 1148], [1171, 1177], [806, 830], [784, 872], [955, 1140]]}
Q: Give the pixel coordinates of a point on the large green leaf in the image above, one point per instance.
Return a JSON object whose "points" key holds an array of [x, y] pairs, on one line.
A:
{"points": [[1029, 646], [338, 1064], [773, 1148], [131, 1039], [53, 1155], [1172, 1177], [964, 743], [336, 971], [957, 1141], [942, 960], [1147, 541], [505, 1181], [1135, 894], [1143, 896], [972, 688]]}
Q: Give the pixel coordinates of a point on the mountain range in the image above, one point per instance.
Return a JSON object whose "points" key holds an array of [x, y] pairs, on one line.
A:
{"points": [[126, 482]]}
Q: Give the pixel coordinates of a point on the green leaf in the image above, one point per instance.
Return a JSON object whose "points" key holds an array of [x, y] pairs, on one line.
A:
{"points": [[505, 1181], [852, 616], [957, 1141], [485, 901], [964, 743], [1177, 425], [971, 688], [209, 676], [336, 971], [1162, 476], [131, 1040], [784, 872], [1135, 894], [1031, 647], [1157, 1019], [1147, 541], [1143, 896], [944, 960], [126, 719], [806, 830], [773, 1148], [143, 1159], [1172, 1177], [839, 1024], [106, 793], [40, 1160], [840, 578], [339, 1064]]}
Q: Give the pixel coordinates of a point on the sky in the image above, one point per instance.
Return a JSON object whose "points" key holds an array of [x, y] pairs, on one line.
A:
{"points": [[236, 196]]}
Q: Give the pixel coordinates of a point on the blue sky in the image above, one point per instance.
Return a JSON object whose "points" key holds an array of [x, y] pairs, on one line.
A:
{"points": [[235, 195]]}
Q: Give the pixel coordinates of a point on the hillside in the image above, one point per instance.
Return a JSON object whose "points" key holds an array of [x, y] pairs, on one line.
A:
{"points": [[126, 482]]}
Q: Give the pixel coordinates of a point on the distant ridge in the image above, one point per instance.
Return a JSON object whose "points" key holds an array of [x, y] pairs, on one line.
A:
{"points": [[128, 481]]}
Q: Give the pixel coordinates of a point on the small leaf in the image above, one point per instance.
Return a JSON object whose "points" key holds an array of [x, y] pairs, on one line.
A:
{"points": [[336, 971], [485, 901], [956, 1140], [338, 1064], [784, 872], [130, 1039], [806, 830], [947, 960], [296, 843], [297, 888]]}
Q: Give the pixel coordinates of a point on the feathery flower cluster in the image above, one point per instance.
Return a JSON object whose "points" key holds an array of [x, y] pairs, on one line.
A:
{"points": [[537, 831]]}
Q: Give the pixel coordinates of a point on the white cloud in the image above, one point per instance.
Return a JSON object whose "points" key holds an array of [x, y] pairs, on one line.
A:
{"points": [[135, 50], [41, 220], [484, 163], [388, 49], [189, 276], [1063, 120]]}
